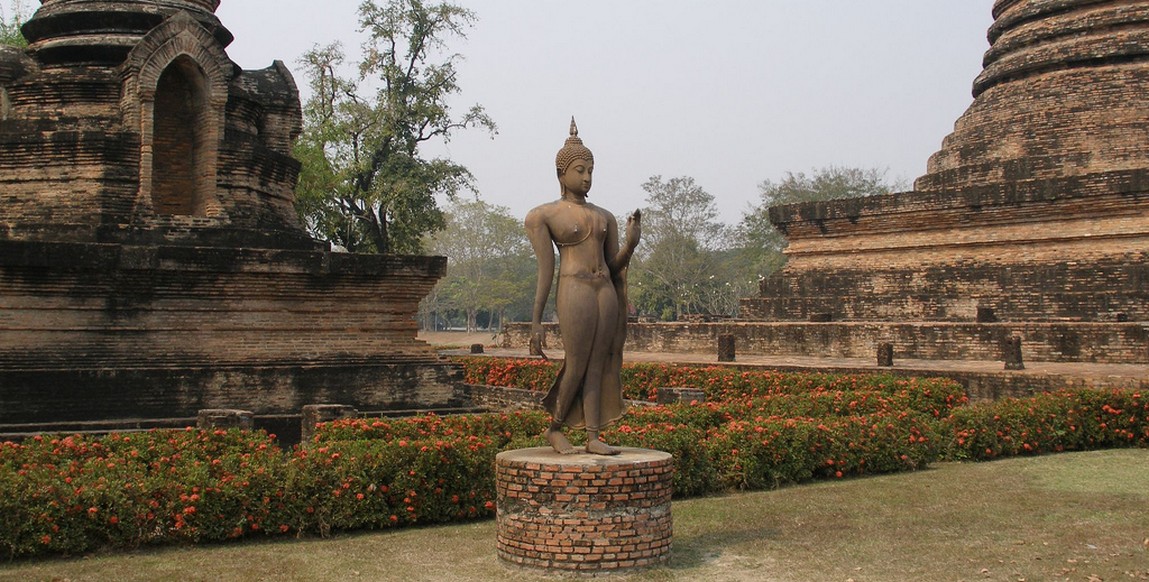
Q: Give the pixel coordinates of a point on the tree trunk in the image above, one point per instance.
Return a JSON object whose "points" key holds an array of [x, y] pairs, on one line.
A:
{"points": [[376, 223]]}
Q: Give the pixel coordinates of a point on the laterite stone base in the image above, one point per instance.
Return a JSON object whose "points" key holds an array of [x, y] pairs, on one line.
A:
{"points": [[584, 513]]}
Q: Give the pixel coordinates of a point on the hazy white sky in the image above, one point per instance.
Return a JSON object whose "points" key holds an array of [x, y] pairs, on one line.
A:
{"points": [[730, 92]]}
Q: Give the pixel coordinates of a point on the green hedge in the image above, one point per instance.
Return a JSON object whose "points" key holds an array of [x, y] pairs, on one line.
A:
{"points": [[72, 494]]}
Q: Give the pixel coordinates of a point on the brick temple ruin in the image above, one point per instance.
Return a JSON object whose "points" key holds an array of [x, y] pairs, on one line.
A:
{"points": [[1031, 222], [151, 260]]}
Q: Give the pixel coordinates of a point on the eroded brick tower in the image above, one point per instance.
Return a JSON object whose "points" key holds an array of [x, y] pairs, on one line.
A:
{"points": [[127, 120], [151, 260], [1032, 220]]}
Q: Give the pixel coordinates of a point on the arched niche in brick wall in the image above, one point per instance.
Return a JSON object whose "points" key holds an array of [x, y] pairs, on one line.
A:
{"points": [[175, 91], [179, 147]]}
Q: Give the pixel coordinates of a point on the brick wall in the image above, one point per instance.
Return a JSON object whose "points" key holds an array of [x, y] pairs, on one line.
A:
{"points": [[502, 398], [134, 330], [1118, 343], [151, 259], [1099, 290]]}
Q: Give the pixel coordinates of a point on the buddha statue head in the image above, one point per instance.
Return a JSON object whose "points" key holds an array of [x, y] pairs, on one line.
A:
{"points": [[572, 150], [574, 165]]}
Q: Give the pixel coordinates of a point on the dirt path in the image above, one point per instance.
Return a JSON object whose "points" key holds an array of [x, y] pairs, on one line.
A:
{"points": [[459, 338]]}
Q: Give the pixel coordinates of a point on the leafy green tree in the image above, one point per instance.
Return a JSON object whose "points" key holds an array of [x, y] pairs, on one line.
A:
{"points": [[673, 278], [733, 282], [10, 22], [679, 208], [675, 272], [760, 244], [490, 266], [364, 184]]}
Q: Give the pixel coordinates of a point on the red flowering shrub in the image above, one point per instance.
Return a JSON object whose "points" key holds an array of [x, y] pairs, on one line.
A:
{"points": [[74, 494], [937, 402], [1071, 420], [503, 427], [532, 374], [70, 494], [765, 453], [701, 415], [641, 381], [357, 484]]}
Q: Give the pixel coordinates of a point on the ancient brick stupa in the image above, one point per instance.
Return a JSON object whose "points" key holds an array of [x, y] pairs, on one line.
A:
{"points": [[151, 261], [1032, 220]]}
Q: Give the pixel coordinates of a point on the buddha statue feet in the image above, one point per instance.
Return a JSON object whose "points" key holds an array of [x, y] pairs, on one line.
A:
{"points": [[597, 447], [559, 442]]}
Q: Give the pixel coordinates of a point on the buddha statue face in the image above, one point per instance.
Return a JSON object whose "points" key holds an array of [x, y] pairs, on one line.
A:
{"points": [[576, 179]]}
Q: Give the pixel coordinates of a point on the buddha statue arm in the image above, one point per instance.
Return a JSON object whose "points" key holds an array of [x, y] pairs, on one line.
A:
{"points": [[620, 260], [539, 235]]}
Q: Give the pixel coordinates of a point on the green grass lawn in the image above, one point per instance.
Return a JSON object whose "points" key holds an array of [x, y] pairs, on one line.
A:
{"points": [[1079, 517]]}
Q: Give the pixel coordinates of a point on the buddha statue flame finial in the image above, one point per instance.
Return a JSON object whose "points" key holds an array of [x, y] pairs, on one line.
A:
{"points": [[573, 150]]}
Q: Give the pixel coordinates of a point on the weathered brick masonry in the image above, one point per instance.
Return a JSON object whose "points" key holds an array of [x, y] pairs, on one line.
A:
{"points": [[127, 119], [1103, 343], [151, 260], [104, 331], [1034, 213], [584, 513], [1028, 254], [1061, 95]]}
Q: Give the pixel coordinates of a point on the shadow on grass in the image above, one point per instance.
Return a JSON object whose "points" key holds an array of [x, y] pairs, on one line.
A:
{"points": [[701, 549]]}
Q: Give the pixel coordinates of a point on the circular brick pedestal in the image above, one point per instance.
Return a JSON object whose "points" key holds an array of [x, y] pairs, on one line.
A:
{"points": [[584, 513]]}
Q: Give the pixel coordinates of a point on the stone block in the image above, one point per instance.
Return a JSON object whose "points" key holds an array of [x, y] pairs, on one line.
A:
{"points": [[212, 418], [675, 394], [149, 334], [885, 355], [1011, 353], [1112, 343], [314, 414], [726, 345]]}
